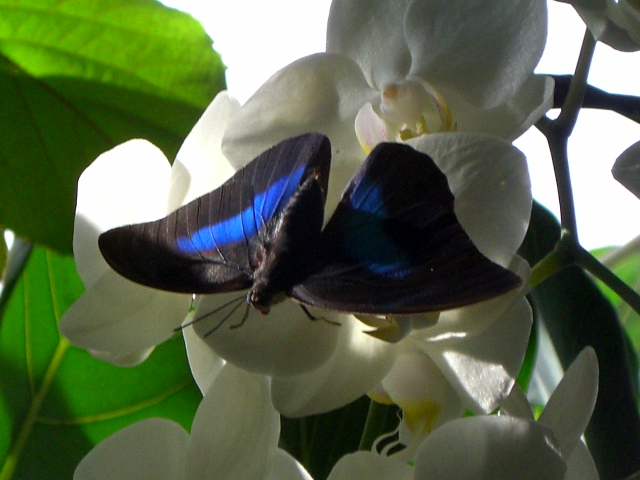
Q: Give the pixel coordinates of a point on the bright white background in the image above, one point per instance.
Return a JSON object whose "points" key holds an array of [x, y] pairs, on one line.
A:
{"points": [[256, 38]]}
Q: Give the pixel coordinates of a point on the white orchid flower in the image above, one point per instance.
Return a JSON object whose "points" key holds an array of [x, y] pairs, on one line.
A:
{"points": [[478, 349], [512, 445], [234, 435], [439, 75], [116, 319]]}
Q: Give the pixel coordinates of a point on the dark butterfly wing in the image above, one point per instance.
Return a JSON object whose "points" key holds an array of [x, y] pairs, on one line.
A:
{"points": [[209, 245], [395, 246]]}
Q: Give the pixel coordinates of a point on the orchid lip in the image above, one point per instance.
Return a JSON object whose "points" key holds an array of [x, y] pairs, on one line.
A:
{"points": [[406, 110]]}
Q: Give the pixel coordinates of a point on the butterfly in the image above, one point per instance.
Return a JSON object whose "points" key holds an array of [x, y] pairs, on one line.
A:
{"points": [[392, 246]]}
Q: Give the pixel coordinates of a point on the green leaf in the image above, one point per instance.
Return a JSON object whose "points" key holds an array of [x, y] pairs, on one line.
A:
{"points": [[80, 76], [56, 401], [576, 314]]}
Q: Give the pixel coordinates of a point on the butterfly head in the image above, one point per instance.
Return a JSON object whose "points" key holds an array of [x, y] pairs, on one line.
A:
{"points": [[262, 297]]}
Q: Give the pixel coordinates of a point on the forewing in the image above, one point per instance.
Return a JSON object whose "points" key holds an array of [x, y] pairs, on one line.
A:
{"points": [[395, 246], [209, 245]]}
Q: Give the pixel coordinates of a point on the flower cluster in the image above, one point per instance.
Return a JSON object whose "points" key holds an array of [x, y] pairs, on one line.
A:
{"points": [[452, 79]]}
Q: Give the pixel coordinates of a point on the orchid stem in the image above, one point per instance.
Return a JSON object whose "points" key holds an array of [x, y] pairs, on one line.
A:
{"points": [[552, 263], [569, 252], [558, 131]]}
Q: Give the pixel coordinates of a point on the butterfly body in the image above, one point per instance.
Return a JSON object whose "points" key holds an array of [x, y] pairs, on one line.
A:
{"points": [[393, 245]]}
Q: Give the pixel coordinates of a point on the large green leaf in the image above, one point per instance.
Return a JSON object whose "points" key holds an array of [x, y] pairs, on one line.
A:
{"points": [[80, 76], [576, 315], [56, 401]]}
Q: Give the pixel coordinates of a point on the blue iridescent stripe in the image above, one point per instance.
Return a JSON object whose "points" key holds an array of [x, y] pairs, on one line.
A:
{"points": [[242, 226], [365, 238]]}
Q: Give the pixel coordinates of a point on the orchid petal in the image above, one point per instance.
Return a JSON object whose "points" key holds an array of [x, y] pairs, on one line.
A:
{"points": [[370, 129], [485, 50], [357, 365], [127, 184], [128, 360], [285, 467], [284, 342], [205, 364], [200, 166], [579, 387], [235, 422], [615, 23], [490, 448], [152, 448], [510, 119], [121, 317], [369, 465], [580, 465], [319, 93], [489, 179], [372, 34], [483, 368], [425, 396], [516, 404]]}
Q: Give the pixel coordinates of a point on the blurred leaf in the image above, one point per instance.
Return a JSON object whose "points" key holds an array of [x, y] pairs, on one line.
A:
{"points": [[16, 262], [3, 253], [80, 76], [56, 401], [576, 314], [628, 270], [529, 362]]}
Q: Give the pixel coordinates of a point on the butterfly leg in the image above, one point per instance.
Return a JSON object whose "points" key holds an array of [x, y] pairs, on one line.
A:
{"points": [[313, 319]]}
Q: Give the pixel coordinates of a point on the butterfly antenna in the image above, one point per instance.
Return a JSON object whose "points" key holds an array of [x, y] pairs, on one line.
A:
{"points": [[244, 319], [228, 315], [212, 312]]}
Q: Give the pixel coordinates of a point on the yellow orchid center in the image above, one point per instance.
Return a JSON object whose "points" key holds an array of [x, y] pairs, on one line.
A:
{"points": [[407, 110], [421, 417]]}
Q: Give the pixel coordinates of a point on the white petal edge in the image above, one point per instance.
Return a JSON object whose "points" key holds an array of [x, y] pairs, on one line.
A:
{"points": [[517, 405], [578, 388], [371, 33], [285, 467], [235, 430], [489, 179], [129, 360], [152, 448], [484, 49], [357, 365], [204, 363], [120, 317], [580, 465], [483, 368], [200, 166], [369, 465], [127, 184], [490, 447], [319, 93], [510, 119]]}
